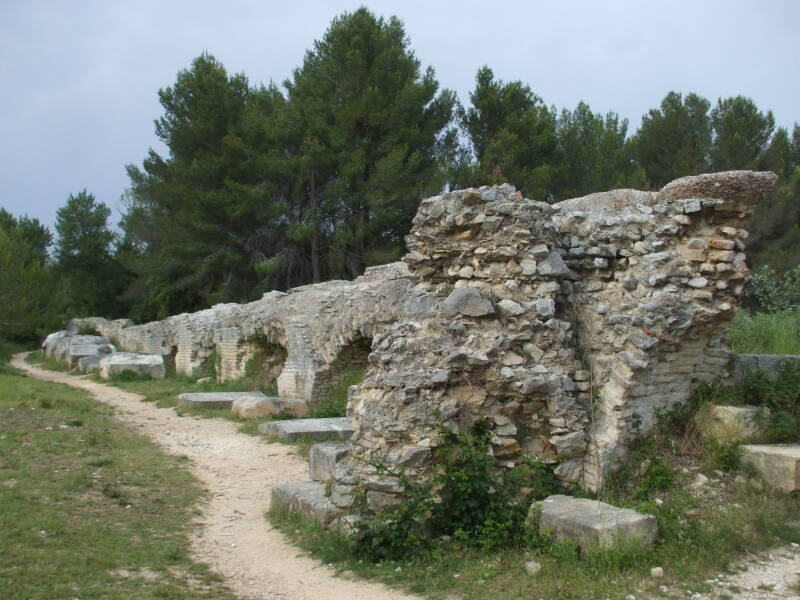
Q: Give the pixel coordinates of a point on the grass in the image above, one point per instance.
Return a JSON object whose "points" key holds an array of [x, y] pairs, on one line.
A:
{"points": [[88, 509], [38, 358], [766, 333]]}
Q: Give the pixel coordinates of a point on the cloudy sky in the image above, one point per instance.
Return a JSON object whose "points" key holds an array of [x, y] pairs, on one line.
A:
{"points": [[78, 78]]}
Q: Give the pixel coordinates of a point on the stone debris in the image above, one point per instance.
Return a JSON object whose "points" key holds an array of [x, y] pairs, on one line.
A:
{"points": [[141, 364], [316, 429], [256, 406], [590, 523], [306, 498], [323, 459], [216, 399], [778, 465], [732, 424]]}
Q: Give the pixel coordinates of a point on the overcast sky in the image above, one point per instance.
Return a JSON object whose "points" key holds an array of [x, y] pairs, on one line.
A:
{"points": [[79, 79]]}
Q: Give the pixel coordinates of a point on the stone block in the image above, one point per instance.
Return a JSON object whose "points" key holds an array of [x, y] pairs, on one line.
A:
{"points": [[732, 424], [337, 428], [141, 364], [466, 301], [87, 364], [254, 407], [323, 457], [590, 523], [216, 399], [87, 345], [778, 465], [306, 498], [768, 363]]}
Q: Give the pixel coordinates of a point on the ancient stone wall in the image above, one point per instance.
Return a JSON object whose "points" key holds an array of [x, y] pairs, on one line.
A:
{"points": [[567, 326], [310, 325]]}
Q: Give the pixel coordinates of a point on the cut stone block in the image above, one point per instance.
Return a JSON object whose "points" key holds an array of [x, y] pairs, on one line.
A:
{"points": [[142, 364], [778, 465], [590, 523], [87, 364], [52, 341], [215, 399], [253, 407], [337, 428], [306, 498], [732, 424], [323, 457], [87, 345], [769, 363]]}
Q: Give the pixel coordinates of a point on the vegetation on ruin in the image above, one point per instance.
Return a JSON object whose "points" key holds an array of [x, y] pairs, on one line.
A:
{"points": [[87, 508], [471, 551]]}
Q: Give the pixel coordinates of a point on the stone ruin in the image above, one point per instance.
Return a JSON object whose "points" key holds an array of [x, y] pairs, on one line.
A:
{"points": [[568, 326]]}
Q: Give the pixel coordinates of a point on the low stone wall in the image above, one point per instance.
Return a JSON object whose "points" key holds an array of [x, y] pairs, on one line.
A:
{"points": [[311, 324]]}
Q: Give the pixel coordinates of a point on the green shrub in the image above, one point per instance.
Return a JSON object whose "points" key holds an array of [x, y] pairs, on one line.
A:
{"points": [[467, 499]]}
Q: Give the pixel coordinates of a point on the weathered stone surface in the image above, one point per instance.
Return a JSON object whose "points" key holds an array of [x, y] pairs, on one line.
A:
{"points": [[732, 424], [216, 399], [87, 364], [306, 498], [768, 363], [87, 345], [778, 465], [317, 429], [323, 458], [142, 364], [466, 301], [254, 407], [590, 523], [54, 340]]}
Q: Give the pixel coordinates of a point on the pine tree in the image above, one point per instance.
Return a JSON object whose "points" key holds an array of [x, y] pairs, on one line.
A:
{"points": [[675, 139], [513, 136], [741, 134], [372, 128]]}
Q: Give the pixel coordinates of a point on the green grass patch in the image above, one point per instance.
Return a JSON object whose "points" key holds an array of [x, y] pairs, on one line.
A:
{"points": [[766, 333], [88, 509], [38, 358]]}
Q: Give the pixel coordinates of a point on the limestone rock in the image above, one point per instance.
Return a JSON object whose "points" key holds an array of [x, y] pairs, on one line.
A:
{"points": [[316, 429], [732, 424], [307, 499], [323, 458], [141, 364], [591, 523], [466, 301], [778, 465], [256, 405]]}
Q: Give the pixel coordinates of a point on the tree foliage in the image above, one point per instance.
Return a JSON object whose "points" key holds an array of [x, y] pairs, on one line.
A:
{"points": [[596, 153], [513, 136], [89, 276], [26, 287], [674, 140]]}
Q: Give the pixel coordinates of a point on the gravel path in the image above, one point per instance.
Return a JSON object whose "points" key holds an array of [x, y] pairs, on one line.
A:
{"points": [[238, 470]]}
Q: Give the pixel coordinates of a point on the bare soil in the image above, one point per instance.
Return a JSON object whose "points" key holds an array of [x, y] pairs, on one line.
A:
{"points": [[238, 471]]}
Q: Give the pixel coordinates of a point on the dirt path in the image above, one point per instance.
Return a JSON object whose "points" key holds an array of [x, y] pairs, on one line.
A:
{"points": [[238, 470]]}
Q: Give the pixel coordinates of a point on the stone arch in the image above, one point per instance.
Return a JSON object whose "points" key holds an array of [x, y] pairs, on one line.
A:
{"points": [[348, 366]]}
